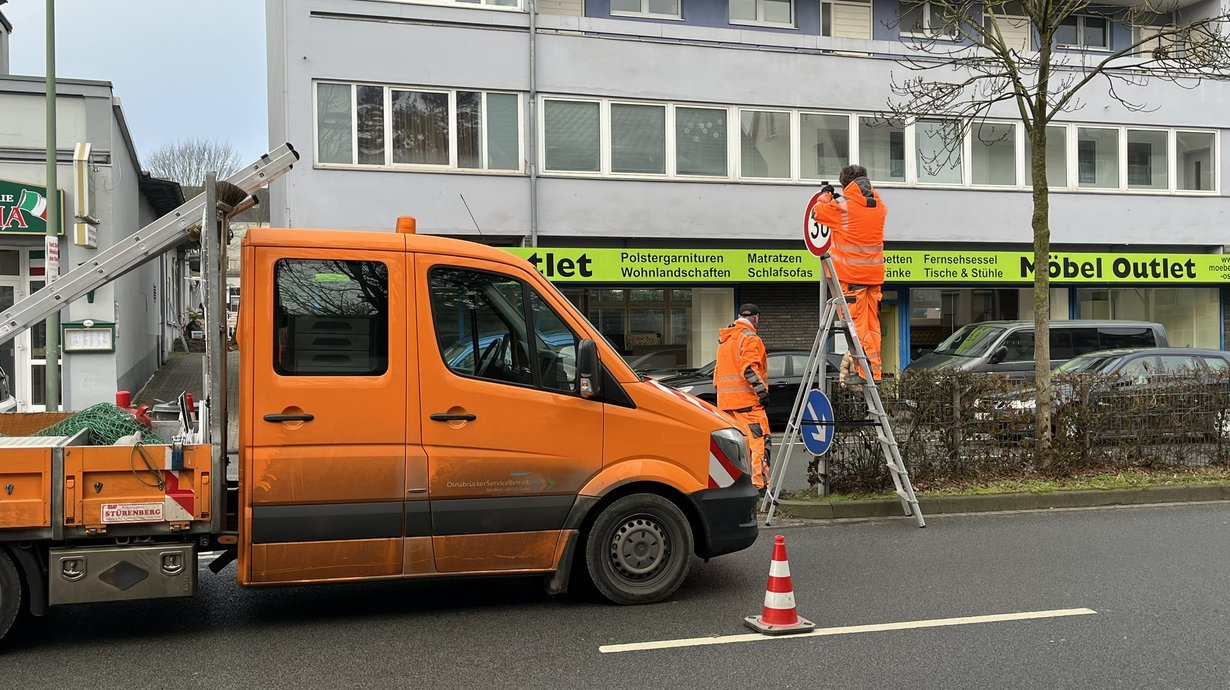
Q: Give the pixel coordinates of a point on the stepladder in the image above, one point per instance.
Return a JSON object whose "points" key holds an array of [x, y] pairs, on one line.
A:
{"points": [[836, 318]]}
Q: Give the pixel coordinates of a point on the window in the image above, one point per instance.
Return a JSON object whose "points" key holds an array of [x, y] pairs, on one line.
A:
{"points": [[367, 124], [780, 12], [334, 123], [646, 8], [765, 137], [420, 127], [1020, 346], [1147, 164], [1153, 46], [1138, 371], [776, 366], [1194, 161], [1083, 32], [1061, 344], [824, 145], [571, 136], [1113, 338], [1097, 157], [1013, 24], [480, 324], [925, 19], [881, 145], [1216, 364], [490, 3], [993, 154], [638, 138], [939, 152], [555, 346], [846, 19], [1191, 316], [700, 141], [1056, 157], [330, 318]]}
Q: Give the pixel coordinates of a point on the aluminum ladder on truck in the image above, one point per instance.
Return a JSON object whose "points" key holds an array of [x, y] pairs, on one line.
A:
{"points": [[836, 317]]}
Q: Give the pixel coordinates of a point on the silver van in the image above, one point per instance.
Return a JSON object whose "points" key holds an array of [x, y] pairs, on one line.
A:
{"points": [[1007, 347]]}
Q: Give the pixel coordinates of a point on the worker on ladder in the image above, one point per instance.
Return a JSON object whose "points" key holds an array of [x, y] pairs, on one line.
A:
{"points": [[856, 218], [742, 391]]}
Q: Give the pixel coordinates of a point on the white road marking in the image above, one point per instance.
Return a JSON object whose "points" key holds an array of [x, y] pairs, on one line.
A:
{"points": [[846, 630]]}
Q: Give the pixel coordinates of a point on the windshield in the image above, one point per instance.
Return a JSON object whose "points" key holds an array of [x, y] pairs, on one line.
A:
{"points": [[707, 370], [1097, 362], [973, 340]]}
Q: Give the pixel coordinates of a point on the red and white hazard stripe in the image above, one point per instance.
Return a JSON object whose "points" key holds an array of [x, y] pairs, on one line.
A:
{"points": [[722, 472], [779, 595], [178, 503]]}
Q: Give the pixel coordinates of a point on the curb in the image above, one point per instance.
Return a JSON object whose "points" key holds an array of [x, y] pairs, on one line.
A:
{"points": [[946, 505]]}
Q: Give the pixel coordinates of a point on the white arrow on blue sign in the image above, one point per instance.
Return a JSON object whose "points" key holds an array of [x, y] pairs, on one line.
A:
{"points": [[816, 425]]}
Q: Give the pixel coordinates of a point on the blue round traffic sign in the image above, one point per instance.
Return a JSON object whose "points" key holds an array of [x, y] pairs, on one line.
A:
{"points": [[816, 424]]}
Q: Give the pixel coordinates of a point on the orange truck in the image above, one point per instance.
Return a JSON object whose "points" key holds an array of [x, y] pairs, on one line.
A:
{"points": [[410, 407]]}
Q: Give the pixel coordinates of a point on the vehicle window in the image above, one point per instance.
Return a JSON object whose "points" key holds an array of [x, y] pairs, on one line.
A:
{"points": [[1138, 371], [1112, 338], [330, 318], [1178, 365], [798, 365], [479, 319], [973, 340], [1091, 363], [1061, 344], [556, 347], [1216, 364], [1020, 346], [1084, 340], [777, 366]]}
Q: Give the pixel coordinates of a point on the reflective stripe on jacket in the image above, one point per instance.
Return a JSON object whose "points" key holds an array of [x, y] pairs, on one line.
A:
{"points": [[742, 367], [857, 221]]}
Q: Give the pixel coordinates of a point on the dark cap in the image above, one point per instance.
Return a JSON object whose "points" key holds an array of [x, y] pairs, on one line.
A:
{"points": [[749, 310]]}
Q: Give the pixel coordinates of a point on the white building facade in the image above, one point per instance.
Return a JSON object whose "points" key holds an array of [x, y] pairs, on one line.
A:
{"points": [[670, 146]]}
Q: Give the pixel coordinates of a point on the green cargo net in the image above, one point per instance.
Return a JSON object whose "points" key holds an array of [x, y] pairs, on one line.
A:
{"points": [[106, 422]]}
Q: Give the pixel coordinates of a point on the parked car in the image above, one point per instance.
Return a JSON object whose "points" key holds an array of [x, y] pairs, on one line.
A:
{"points": [[786, 369], [1120, 373], [1007, 347]]}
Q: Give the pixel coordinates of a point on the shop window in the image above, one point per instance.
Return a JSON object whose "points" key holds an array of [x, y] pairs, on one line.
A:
{"points": [[700, 141], [881, 145], [765, 144], [638, 138], [1191, 316], [824, 145], [10, 262], [330, 318]]}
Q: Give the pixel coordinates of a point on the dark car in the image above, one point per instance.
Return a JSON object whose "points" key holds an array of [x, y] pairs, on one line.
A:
{"points": [[786, 369], [1119, 374]]}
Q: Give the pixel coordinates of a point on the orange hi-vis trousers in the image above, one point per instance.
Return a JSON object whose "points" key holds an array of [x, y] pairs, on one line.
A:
{"points": [[754, 424], [865, 311]]}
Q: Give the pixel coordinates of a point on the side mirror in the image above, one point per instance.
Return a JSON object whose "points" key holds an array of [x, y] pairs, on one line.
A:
{"points": [[1000, 354], [589, 369]]}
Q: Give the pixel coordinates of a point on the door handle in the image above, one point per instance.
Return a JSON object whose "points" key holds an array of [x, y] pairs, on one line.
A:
{"points": [[289, 417], [445, 417]]}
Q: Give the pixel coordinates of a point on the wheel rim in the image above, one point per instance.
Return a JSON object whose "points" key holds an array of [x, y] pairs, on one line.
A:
{"points": [[639, 549]]}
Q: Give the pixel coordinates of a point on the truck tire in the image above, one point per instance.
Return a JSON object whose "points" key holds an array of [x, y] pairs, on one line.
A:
{"points": [[639, 550], [10, 593]]}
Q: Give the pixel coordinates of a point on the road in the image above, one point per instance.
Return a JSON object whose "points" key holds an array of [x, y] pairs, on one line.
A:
{"points": [[1157, 577]]}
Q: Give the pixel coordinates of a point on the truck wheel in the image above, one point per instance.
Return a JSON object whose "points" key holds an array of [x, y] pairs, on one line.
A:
{"points": [[639, 549], [10, 593]]}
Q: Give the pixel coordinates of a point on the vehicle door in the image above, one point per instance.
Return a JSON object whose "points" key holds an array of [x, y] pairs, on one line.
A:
{"points": [[324, 457], [783, 384], [1123, 400], [1180, 397], [1018, 358], [508, 438]]}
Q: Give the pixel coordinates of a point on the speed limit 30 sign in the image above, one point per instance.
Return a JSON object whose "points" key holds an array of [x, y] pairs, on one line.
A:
{"points": [[817, 236]]}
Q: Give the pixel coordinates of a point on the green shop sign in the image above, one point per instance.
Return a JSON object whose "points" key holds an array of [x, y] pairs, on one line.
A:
{"points": [[23, 209], [792, 266]]}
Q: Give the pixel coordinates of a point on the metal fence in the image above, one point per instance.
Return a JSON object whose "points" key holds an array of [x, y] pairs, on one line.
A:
{"points": [[964, 427]]}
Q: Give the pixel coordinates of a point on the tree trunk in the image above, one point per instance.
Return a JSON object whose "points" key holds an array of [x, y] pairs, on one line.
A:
{"points": [[1042, 296]]}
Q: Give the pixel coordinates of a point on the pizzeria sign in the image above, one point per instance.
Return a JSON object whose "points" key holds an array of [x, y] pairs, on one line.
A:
{"points": [[23, 209]]}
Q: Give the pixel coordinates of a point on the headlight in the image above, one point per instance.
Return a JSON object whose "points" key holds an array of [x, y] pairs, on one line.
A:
{"points": [[685, 389], [733, 445]]}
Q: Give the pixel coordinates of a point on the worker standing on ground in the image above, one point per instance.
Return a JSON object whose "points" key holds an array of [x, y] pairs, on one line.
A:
{"points": [[742, 391], [857, 221]]}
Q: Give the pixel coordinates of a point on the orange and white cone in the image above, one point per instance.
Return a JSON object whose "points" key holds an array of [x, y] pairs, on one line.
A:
{"points": [[780, 617]]}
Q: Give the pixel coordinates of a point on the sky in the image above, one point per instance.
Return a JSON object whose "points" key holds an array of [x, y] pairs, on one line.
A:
{"points": [[181, 68]]}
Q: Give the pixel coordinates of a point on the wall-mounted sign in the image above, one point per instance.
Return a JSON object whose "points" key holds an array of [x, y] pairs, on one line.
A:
{"points": [[568, 265], [83, 184], [23, 209]]}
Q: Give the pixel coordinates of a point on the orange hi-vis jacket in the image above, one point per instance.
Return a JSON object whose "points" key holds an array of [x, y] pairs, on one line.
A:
{"points": [[857, 221], [742, 367]]}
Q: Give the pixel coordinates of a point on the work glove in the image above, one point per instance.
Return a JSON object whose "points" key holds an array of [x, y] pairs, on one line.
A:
{"points": [[828, 189]]}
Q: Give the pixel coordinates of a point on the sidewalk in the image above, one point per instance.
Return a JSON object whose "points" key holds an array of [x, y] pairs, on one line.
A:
{"points": [[184, 372]]}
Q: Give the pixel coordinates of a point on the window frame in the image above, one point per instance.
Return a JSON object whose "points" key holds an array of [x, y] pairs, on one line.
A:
{"points": [[1107, 34], [830, 5], [927, 32], [760, 20], [604, 136], [793, 160], [388, 164]]}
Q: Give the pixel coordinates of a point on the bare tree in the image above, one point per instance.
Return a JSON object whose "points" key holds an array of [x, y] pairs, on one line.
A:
{"points": [[188, 160], [970, 56]]}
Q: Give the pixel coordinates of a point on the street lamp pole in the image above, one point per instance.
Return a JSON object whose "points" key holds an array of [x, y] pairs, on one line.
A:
{"points": [[52, 352]]}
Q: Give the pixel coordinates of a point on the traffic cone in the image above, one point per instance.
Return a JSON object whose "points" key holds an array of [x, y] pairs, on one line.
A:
{"points": [[780, 617]]}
